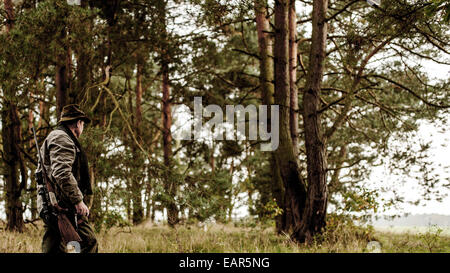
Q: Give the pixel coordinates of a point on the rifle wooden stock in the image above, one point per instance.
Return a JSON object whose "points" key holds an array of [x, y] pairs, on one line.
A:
{"points": [[66, 229]]}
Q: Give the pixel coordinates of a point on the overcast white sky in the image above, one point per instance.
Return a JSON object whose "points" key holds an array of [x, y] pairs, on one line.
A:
{"points": [[439, 156]]}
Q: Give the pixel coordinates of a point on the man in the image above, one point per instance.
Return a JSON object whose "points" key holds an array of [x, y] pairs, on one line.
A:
{"points": [[66, 164]]}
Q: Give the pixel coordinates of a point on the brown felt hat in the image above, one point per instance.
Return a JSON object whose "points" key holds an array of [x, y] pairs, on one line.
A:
{"points": [[73, 112]]}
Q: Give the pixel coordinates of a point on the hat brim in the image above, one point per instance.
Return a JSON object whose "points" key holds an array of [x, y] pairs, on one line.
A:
{"points": [[83, 118]]}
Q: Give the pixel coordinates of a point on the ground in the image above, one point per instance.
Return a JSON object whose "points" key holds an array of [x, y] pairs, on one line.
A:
{"points": [[231, 238]]}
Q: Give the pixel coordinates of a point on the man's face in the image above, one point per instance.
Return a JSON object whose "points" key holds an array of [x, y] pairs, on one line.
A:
{"points": [[79, 128]]}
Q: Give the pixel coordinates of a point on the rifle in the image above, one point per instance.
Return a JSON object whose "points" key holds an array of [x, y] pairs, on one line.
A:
{"points": [[52, 213]]}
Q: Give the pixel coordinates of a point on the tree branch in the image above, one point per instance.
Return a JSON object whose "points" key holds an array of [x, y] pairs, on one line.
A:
{"points": [[331, 104], [342, 10], [247, 53], [349, 98], [410, 91]]}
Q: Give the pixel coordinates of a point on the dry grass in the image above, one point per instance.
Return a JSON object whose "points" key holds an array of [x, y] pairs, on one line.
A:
{"points": [[228, 238], [217, 238], [415, 240]]}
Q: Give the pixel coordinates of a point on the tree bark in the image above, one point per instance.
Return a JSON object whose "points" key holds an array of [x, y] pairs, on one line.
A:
{"points": [[33, 202], [83, 68], [170, 185], [83, 80], [267, 93], [138, 210], [42, 113], [95, 207], [61, 87], [148, 199], [11, 141], [11, 158], [10, 17], [316, 205], [139, 92], [172, 210], [295, 193], [61, 80], [293, 76]]}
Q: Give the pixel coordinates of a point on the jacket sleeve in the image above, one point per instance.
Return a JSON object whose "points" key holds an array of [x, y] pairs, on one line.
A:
{"points": [[62, 156]]}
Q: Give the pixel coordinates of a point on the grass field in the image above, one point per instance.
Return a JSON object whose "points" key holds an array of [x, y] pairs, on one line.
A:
{"points": [[412, 230], [229, 238]]}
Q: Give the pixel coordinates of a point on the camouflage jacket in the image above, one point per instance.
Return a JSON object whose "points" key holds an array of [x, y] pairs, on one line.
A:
{"points": [[61, 156]]}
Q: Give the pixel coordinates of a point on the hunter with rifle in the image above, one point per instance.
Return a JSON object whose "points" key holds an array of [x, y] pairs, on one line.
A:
{"points": [[64, 186]]}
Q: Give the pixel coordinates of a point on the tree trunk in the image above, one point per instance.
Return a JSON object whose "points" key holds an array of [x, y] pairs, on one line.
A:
{"points": [[295, 193], [96, 212], [139, 92], [11, 140], [83, 68], [150, 213], [31, 144], [265, 50], [148, 198], [267, 92], [172, 210], [95, 205], [138, 210], [9, 8], [316, 204], [42, 114], [83, 72], [11, 158], [293, 122], [153, 213], [61, 89], [170, 185], [61, 80]]}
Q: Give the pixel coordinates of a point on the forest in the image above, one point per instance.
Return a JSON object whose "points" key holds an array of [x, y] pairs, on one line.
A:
{"points": [[348, 77]]}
